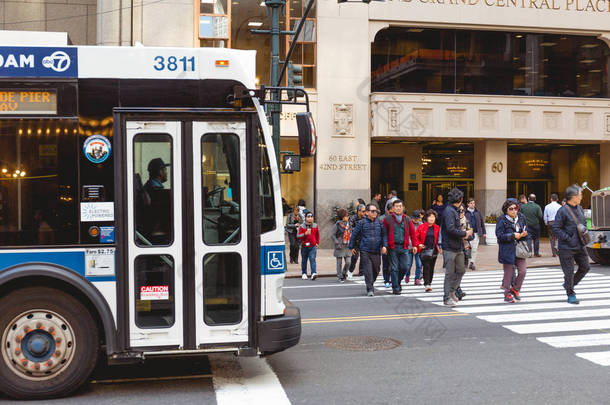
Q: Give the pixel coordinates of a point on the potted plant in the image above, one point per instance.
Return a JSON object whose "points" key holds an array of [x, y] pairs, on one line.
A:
{"points": [[490, 230]]}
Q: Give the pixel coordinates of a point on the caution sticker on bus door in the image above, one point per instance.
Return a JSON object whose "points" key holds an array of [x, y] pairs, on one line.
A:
{"points": [[154, 292]]}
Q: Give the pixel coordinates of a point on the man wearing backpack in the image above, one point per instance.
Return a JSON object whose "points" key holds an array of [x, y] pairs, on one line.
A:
{"points": [[399, 238], [570, 244]]}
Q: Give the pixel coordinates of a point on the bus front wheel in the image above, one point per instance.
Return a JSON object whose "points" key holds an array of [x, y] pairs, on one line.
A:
{"points": [[49, 343]]}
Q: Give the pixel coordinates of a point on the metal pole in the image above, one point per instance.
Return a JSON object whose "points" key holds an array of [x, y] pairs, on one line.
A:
{"points": [[275, 109]]}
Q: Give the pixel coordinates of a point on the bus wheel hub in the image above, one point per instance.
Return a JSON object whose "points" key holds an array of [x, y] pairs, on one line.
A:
{"points": [[38, 344]]}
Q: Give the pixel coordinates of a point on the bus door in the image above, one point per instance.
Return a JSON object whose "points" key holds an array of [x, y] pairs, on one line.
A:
{"points": [[187, 226], [220, 232], [154, 228]]}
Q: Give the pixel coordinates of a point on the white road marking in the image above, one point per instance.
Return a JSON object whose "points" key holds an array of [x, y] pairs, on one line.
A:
{"points": [[529, 291], [595, 339], [601, 358], [547, 315], [499, 293], [245, 380], [556, 298], [503, 307], [320, 286], [547, 327]]}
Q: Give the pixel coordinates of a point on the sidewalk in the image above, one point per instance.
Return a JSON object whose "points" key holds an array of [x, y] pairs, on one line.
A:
{"points": [[487, 259]]}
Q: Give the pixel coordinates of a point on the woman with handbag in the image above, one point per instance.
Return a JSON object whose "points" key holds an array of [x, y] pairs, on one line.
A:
{"points": [[427, 233], [512, 249], [340, 235]]}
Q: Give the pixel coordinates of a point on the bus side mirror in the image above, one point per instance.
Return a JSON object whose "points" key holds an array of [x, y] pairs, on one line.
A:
{"points": [[307, 134]]}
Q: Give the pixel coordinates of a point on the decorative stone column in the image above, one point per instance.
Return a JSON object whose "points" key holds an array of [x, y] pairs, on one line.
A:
{"points": [[490, 175]]}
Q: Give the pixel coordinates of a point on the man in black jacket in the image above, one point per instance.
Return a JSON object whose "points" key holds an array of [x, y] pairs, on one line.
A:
{"points": [[571, 248], [453, 246], [353, 221], [473, 215]]}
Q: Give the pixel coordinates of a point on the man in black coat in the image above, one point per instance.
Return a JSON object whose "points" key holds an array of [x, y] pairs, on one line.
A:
{"points": [[453, 246], [353, 221], [570, 246]]}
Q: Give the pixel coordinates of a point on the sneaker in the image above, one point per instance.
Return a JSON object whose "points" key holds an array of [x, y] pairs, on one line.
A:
{"points": [[471, 266], [460, 295], [341, 280], [450, 303], [387, 285], [516, 294], [314, 276], [407, 279], [350, 275], [396, 292], [304, 276], [417, 282], [428, 288], [573, 300], [370, 294], [454, 297], [538, 255], [509, 298]]}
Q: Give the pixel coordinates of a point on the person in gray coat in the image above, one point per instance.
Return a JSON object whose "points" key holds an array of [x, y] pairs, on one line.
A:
{"points": [[340, 235]]}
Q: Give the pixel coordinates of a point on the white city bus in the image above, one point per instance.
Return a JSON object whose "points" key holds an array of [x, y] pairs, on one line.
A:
{"points": [[140, 212]]}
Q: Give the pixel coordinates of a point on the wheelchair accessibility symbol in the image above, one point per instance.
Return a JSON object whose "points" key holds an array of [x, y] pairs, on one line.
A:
{"points": [[275, 260]]}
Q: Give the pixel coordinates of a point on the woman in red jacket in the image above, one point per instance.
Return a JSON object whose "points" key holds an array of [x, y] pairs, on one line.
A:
{"points": [[427, 233]]}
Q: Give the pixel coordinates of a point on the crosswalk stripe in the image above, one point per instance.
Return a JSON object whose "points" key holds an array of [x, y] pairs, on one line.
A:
{"points": [[497, 292], [556, 298], [498, 281], [503, 307], [594, 339], [547, 315], [548, 327], [526, 287], [601, 358]]}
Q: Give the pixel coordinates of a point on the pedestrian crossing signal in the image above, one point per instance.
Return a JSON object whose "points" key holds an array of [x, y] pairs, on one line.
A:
{"points": [[291, 163]]}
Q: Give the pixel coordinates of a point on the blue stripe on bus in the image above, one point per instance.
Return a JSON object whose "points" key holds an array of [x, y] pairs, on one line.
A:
{"points": [[74, 261], [273, 259]]}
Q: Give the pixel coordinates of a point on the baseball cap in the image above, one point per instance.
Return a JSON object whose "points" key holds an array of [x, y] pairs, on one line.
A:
{"points": [[156, 164]]}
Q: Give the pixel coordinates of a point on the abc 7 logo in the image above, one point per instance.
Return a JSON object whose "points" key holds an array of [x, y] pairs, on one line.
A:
{"points": [[59, 61]]}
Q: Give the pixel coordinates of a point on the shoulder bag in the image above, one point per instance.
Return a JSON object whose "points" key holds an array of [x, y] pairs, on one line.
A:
{"points": [[522, 251], [583, 232]]}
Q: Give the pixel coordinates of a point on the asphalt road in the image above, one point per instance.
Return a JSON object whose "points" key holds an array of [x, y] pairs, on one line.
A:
{"points": [[540, 350]]}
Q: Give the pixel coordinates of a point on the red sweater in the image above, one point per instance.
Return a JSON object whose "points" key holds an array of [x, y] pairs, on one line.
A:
{"points": [[421, 232], [313, 239]]}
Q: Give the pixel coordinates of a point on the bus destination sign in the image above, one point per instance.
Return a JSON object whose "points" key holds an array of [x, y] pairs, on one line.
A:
{"points": [[22, 102]]}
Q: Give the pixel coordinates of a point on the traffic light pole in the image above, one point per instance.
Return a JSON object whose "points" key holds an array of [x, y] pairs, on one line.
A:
{"points": [[275, 110]]}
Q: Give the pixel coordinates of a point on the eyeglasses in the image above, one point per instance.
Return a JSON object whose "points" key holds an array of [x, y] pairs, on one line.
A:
{"points": [[373, 211], [512, 209]]}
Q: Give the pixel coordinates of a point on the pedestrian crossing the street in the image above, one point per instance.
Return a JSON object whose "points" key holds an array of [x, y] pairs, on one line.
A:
{"points": [[543, 311]]}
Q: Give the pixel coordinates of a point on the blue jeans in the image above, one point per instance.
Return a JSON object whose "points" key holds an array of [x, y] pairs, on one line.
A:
{"points": [[308, 253], [385, 266], [399, 260], [418, 265]]}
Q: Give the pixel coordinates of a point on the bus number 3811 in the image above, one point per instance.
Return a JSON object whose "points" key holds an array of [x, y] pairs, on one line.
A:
{"points": [[172, 63]]}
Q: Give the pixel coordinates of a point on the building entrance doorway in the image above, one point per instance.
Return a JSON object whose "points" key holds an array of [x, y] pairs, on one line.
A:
{"points": [[387, 174], [432, 188]]}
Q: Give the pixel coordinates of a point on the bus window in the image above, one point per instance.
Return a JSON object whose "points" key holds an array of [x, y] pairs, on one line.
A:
{"points": [[153, 191], [222, 295], [154, 276], [265, 188], [220, 164], [38, 182]]}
